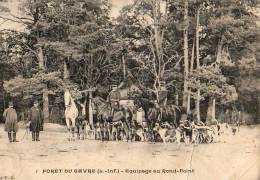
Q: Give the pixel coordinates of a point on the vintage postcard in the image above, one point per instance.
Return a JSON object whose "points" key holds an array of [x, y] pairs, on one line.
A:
{"points": [[129, 90]]}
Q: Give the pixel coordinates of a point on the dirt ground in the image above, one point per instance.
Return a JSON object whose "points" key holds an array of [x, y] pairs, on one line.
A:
{"points": [[54, 158]]}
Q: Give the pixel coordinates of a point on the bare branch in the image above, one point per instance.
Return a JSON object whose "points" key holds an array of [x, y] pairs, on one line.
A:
{"points": [[22, 18], [10, 19]]}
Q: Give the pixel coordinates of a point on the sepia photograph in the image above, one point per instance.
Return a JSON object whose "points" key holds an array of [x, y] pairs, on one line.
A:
{"points": [[130, 89]]}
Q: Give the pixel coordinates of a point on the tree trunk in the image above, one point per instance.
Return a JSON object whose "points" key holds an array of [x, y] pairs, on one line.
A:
{"points": [[2, 88], [46, 114], [211, 111], [242, 115], [157, 48], [157, 37], [186, 57], [91, 122], [219, 50], [124, 67], [198, 63], [41, 58], [214, 109], [192, 55], [177, 100], [198, 105], [45, 97], [257, 119], [188, 102], [66, 73], [191, 71]]}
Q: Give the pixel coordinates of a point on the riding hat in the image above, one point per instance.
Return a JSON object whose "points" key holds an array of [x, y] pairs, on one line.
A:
{"points": [[11, 103]]}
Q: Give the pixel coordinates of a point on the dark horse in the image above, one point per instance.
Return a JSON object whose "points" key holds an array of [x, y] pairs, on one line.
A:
{"points": [[108, 115], [158, 114]]}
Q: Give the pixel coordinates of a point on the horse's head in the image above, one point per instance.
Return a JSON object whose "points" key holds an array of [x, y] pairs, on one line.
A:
{"points": [[95, 101], [98, 102], [144, 103], [67, 98]]}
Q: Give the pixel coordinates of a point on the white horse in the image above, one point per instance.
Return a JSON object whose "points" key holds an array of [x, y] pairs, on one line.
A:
{"points": [[71, 113]]}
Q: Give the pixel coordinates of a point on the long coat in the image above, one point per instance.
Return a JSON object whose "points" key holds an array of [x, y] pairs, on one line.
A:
{"points": [[10, 117], [36, 119]]}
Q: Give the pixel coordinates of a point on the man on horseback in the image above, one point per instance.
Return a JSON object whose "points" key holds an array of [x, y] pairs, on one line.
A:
{"points": [[108, 115], [71, 113], [81, 121]]}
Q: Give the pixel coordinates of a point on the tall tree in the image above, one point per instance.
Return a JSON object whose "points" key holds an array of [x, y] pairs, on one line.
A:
{"points": [[186, 55], [143, 26], [198, 60]]}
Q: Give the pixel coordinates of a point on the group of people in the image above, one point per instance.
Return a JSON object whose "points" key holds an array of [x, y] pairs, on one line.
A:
{"points": [[35, 122]]}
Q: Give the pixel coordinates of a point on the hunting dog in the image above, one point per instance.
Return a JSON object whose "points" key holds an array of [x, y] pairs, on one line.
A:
{"points": [[115, 130], [195, 136], [90, 133], [164, 131], [80, 128], [137, 131], [178, 135], [98, 134]]}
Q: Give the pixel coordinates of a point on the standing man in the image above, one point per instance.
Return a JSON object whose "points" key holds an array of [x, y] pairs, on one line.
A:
{"points": [[11, 126], [36, 121]]}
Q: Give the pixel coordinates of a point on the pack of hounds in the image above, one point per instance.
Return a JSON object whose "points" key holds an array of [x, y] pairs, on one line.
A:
{"points": [[187, 132]]}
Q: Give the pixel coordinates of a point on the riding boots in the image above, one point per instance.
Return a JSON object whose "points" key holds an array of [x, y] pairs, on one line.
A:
{"points": [[10, 136], [33, 136], [37, 136], [14, 137]]}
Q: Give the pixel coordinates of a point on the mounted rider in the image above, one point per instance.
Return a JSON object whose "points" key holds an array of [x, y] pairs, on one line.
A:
{"points": [[81, 121], [119, 110], [114, 98]]}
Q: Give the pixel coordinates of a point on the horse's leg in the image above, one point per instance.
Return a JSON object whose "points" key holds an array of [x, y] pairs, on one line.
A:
{"points": [[115, 136], [143, 137], [84, 133], [127, 134], [73, 122], [80, 131], [68, 128], [109, 133], [101, 136], [126, 131], [131, 134], [106, 132], [95, 133], [77, 127]]}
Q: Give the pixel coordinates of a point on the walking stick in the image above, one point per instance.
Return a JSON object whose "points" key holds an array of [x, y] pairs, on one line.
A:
{"points": [[26, 131]]}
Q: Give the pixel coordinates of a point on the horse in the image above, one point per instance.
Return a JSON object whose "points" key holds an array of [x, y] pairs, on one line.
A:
{"points": [[108, 115], [155, 113], [81, 122], [71, 113]]}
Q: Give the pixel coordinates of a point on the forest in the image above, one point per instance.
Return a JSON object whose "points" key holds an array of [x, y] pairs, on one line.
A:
{"points": [[201, 55]]}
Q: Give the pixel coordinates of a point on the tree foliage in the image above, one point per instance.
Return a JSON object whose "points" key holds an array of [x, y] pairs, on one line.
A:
{"points": [[146, 41]]}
